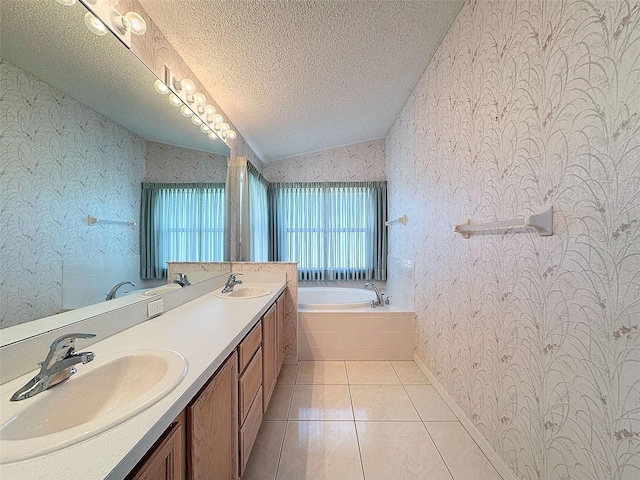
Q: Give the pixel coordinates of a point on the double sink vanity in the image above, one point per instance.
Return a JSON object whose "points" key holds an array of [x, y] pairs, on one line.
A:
{"points": [[180, 395]]}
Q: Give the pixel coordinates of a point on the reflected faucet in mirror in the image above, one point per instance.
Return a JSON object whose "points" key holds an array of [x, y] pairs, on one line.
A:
{"points": [[112, 293], [181, 279], [231, 282], [57, 367]]}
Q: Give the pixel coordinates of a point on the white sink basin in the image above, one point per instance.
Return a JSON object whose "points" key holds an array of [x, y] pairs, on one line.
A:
{"points": [[160, 290], [244, 293], [103, 394]]}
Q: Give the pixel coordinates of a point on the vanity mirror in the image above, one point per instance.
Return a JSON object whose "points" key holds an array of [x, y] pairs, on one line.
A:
{"points": [[82, 127]]}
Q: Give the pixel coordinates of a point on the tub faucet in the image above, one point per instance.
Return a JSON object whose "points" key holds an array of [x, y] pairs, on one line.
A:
{"points": [[181, 279], [57, 367], [231, 282], [378, 302], [112, 294]]}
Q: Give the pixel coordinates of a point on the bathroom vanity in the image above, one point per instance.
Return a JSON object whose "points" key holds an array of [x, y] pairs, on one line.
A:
{"points": [[205, 427]]}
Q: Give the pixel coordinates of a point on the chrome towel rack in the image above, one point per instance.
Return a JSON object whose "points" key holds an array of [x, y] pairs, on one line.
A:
{"points": [[542, 223]]}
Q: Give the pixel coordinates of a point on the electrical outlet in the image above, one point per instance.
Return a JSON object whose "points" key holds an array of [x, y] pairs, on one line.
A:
{"points": [[155, 308]]}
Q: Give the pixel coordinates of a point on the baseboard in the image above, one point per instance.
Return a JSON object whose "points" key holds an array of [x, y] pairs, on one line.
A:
{"points": [[501, 467]]}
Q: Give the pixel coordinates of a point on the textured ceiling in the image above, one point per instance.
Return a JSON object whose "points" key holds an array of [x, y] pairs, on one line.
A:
{"points": [[301, 76]]}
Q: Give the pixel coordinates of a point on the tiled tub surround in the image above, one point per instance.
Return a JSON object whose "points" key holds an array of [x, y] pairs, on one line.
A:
{"points": [[400, 280], [204, 330], [356, 334], [536, 338], [386, 333]]}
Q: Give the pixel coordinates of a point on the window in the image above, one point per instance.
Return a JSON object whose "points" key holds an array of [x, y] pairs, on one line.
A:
{"points": [[333, 230], [180, 223]]}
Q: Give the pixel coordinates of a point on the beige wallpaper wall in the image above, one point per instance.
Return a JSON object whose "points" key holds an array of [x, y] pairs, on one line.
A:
{"points": [[360, 162], [528, 103], [169, 164], [61, 161]]}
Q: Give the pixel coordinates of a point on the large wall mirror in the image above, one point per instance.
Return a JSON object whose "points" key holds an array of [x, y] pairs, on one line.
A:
{"points": [[82, 128]]}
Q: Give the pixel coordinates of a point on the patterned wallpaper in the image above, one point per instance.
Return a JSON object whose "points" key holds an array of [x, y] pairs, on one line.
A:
{"points": [[61, 161], [361, 162], [531, 103], [169, 164]]}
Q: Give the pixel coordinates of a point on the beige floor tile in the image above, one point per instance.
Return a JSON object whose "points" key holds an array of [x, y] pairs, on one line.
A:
{"points": [[371, 373], [409, 373], [280, 402], [263, 462], [461, 454], [430, 405], [320, 451], [399, 451], [382, 402], [321, 402], [322, 373], [288, 374]]}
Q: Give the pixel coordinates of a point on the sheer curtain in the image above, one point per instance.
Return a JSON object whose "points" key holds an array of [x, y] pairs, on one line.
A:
{"points": [[180, 223], [258, 216], [333, 230]]}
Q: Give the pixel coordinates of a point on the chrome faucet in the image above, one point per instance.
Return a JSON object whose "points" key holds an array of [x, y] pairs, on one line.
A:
{"points": [[379, 301], [231, 282], [181, 279], [112, 294], [57, 367]]}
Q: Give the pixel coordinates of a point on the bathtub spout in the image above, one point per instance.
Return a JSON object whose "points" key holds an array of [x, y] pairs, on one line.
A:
{"points": [[378, 302]]}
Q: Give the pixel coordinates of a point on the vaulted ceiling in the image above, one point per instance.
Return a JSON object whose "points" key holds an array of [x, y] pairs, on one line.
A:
{"points": [[302, 76]]}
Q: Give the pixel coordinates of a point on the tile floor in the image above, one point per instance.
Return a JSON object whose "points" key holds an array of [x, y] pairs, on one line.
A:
{"points": [[351, 420]]}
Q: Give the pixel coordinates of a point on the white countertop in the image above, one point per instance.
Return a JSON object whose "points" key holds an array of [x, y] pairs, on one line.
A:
{"points": [[205, 331]]}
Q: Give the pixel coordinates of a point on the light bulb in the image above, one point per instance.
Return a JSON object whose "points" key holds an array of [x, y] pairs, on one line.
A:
{"points": [[137, 25], [175, 100], [217, 121], [231, 134], [224, 127], [160, 87], [94, 25], [200, 100], [187, 86], [113, 3], [186, 111], [213, 136], [196, 120], [205, 128], [66, 3], [209, 111]]}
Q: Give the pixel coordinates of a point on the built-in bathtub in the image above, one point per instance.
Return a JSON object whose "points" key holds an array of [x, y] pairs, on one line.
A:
{"points": [[340, 324]]}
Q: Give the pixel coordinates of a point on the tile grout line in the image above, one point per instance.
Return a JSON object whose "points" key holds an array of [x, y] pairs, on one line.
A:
{"points": [[355, 425], [423, 424], [286, 423]]}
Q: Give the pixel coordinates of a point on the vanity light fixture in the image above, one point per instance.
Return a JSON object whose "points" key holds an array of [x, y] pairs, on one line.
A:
{"points": [[174, 99], [104, 11], [94, 25], [194, 105], [66, 3], [160, 87]]}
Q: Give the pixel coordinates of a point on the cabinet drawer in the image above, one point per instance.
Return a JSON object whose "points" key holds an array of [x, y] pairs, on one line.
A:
{"points": [[249, 385], [249, 430], [249, 346]]}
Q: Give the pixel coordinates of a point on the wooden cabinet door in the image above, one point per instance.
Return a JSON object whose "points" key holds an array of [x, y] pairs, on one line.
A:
{"points": [[166, 459], [269, 359], [280, 319], [212, 419]]}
